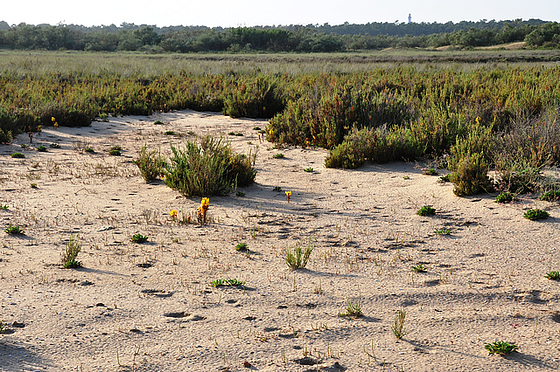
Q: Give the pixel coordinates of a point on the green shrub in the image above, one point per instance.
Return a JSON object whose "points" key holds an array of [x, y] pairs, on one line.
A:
{"points": [[505, 197], [551, 195], [516, 174], [470, 175], [256, 98], [41, 149], [209, 168], [18, 155], [13, 230], [115, 152], [469, 161], [150, 163], [139, 238], [426, 210], [536, 214], [500, 348]]}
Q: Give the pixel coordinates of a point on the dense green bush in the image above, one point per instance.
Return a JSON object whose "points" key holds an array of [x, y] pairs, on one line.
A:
{"points": [[208, 168]]}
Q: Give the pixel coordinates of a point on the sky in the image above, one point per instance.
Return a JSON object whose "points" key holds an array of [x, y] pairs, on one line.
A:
{"points": [[235, 13]]}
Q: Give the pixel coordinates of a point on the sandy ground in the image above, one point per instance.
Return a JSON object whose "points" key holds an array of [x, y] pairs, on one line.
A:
{"points": [[151, 307]]}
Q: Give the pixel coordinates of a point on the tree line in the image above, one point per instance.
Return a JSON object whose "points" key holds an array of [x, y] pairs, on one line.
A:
{"points": [[292, 38]]}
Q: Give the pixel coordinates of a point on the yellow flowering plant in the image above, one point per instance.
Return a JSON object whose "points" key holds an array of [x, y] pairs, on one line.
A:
{"points": [[288, 195], [202, 210]]}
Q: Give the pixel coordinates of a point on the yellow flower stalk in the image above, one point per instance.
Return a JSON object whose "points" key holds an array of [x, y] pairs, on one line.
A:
{"points": [[288, 194], [173, 214], [202, 210]]}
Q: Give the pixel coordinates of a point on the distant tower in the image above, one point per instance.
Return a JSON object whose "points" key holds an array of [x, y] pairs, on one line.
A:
{"points": [[409, 18]]}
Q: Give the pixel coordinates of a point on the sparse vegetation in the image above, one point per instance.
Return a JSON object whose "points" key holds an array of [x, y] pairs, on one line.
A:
{"points": [[553, 275], [13, 230], [18, 155], [426, 210], [398, 325], [551, 195], [227, 283], [430, 172], [505, 197], [278, 155], [536, 214], [501, 348], [298, 258], [139, 238], [443, 231], [69, 258], [353, 309], [420, 268]]}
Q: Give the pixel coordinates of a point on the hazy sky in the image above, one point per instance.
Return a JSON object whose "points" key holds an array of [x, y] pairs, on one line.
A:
{"points": [[232, 13]]}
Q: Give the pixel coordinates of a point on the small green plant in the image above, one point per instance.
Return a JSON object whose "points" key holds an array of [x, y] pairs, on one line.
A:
{"points": [[89, 150], [139, 238], [420, 268], [3, 327], [4, 207], [406, 177], [551, 195], [23, 146], [41, 149], [227, 283], [54, 146], [426, 210], [430, 172], [257, 128], [398, 325], [444, 179], [308, 170], [352, 309], [169, 132], [13, 230], [73, 247], [241, 247], [235, 134], [114, 152], [33, 185], [443, 231], [277, 188], [278, 156], [501, 348], [240, 193], [553, 275], [17, 155], [158, 122], [299, 257], [505, 197], [536, 214]]}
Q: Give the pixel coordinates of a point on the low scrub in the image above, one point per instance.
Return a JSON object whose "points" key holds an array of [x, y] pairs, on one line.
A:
{"points": [[208, 168]]}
